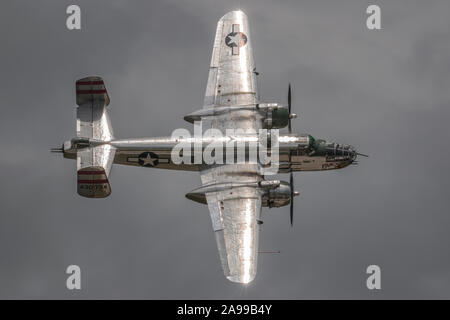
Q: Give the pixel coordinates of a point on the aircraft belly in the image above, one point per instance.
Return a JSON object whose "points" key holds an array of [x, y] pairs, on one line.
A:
{"points": [[152, 159], [311, 163]]}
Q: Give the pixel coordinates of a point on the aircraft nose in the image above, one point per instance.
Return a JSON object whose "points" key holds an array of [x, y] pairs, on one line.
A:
{"points": [[353, 157], [347, 151], [352, 154], [342, 150]]}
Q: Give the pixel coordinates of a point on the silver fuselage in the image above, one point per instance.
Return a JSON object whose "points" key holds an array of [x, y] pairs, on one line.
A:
{"points": [[295, 153]]}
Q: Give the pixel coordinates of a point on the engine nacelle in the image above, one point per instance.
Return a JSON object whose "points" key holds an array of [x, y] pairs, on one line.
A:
{"points": [[277, 197], [276, 116]]}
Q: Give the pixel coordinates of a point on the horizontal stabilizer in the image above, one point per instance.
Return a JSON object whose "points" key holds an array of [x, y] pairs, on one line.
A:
{"points": [[91, 89], [92, 116], [94, 155], [93, 182]]}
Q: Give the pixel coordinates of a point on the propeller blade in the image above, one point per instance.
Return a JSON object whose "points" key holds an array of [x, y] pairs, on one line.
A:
{"points": [[290, 107], [291, 180]]}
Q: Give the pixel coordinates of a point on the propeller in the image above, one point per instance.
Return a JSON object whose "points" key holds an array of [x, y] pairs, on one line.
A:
{"points": [[293, 194], [291, 179], [291, 115]]}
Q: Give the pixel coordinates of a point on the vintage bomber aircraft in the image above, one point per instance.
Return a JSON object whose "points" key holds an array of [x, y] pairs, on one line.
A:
{"points": [[234, 193]]}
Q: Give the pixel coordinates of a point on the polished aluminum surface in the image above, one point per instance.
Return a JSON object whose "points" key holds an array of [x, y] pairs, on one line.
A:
{"points": [[93, 162], [234, 213], [234, 192]]}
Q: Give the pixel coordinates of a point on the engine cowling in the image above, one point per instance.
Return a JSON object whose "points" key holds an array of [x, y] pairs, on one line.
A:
{"points": [[277, 197], [276, 116]]}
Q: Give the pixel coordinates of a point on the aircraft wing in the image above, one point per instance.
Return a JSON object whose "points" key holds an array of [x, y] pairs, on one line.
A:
{"points": [[235, 212], [232, 77]]}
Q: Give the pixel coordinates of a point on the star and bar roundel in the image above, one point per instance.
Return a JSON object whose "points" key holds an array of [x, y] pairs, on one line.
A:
{"points": [[148, 159], [236, 39]]}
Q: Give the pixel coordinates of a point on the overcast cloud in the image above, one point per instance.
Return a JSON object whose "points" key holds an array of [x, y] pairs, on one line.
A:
{"points": [[386, 92]]}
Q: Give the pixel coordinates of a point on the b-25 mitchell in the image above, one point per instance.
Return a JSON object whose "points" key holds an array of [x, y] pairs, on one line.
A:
{"points": [[233, 192]]}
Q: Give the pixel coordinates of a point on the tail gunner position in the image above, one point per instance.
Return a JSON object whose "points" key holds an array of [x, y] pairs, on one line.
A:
{"points": [[233, 192]]}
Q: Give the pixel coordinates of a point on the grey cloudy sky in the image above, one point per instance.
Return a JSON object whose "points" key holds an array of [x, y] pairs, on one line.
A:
{"points": [[386, 92]]}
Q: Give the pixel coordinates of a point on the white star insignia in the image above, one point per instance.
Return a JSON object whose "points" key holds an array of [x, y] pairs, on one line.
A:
{"points": [[236, 39], [148, 160]]}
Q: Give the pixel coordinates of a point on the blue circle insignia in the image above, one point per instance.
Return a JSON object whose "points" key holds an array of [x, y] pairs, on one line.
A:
{"points": [[236, 39], [148, 159]]}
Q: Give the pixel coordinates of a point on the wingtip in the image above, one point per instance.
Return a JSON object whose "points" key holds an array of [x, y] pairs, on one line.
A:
{"points": [[242, 279], [233, 14]]}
